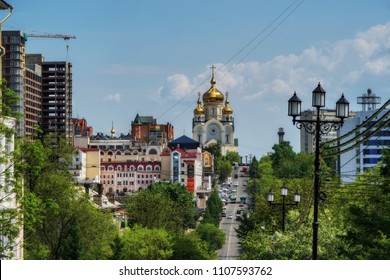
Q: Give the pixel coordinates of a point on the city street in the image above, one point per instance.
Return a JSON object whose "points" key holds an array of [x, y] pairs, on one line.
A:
{"points": [[231, 249]]}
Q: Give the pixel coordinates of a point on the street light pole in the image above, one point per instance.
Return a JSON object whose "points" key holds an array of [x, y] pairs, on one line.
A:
{"points": [[318, 127], [316, 186], [283, 193]]}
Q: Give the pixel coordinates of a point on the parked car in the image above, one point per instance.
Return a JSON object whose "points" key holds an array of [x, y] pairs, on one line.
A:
{"points": [[230, 216]]}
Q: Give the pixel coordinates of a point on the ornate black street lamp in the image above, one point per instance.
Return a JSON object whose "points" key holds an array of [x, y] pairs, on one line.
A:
{"points": [[283, 193], [317, 127]]}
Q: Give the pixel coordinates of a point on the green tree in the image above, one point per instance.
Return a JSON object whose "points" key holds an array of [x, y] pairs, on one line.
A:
{"points": [[367, 216], [211, 234], [146, 244], [163, 205], [214, 207], [10, 187], [225, 169], [216, 150], [232, 157], [253, 168], [59, 219], [191, 247]]}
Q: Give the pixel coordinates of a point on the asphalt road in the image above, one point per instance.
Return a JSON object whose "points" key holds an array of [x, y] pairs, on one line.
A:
{"points": [[231, 249]]}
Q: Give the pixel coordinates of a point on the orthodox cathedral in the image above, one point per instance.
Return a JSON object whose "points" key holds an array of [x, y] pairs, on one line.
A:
{"points": [[213, 120]]}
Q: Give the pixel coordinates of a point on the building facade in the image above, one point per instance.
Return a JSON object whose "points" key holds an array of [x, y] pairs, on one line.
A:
{"points": [[13, 247], [144, 129], [213, 120], [119, 178], [368, 153], [13, 66], [33, 94], [182, 162], [57, 98]]}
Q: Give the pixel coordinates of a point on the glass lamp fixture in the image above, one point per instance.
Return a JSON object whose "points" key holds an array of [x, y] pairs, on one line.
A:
{"points": [[342, 108], [297, 197], [270, 196], [283, 190], [318, 99], [294, 106]]}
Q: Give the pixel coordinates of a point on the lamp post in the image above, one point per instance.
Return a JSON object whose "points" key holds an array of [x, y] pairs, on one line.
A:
{"points": [[283, 193], [317, 127]]}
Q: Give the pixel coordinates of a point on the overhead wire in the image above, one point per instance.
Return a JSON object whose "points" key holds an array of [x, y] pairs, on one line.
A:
{"points": [[294, 4], [357, 143], [383, 107]]}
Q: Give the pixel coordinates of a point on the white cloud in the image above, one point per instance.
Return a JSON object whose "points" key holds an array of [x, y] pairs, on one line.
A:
{"points": [[116, 97], [338, 66], [176, 87]]}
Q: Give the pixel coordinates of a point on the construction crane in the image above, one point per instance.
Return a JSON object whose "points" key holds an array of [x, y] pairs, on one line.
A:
{"points": [[52, 36]]}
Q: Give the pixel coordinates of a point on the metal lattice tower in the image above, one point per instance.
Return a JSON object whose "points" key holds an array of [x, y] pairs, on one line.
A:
{"points": [[368, 100]]}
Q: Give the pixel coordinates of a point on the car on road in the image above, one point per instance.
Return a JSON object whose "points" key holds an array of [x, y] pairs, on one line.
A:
{"points": [[230, 216]]}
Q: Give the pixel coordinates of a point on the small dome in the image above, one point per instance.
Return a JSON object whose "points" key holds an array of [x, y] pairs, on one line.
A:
{"points": [[227, 110], [199, 110], [213, 94]]}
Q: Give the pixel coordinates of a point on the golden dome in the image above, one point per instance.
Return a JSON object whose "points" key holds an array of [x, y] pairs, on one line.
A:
{"points": [[227, 110], [112, 129], [199, 110], [213, 94]]}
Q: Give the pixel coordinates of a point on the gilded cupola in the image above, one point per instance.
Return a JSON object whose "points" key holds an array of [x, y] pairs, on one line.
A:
{"points": [[213, 94], [199, 110], [227, 110]]}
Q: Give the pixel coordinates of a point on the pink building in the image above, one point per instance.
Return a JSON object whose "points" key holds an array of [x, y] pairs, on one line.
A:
{"points": [[121, 177]]}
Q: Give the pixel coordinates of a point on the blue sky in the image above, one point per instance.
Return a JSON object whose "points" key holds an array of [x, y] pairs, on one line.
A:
{"points": [[152, 57]]}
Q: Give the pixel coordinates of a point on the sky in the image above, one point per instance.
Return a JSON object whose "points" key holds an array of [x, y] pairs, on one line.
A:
{"points": [[153, 57]]}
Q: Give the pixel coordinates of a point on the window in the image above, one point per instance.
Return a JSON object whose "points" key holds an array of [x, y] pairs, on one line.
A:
{"points": [[140, 168], [148, 168]]}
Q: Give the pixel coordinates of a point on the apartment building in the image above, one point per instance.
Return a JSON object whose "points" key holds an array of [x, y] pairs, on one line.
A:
{"points": [[57, 98], [13, 66]]}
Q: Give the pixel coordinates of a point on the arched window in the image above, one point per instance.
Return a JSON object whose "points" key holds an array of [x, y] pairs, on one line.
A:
{"points": [[153, 152], [118, 153], [132, 168], [127, 153], [140, 168], [149, 168], [157, 168], [101, 153], [110, 168], [119, 168], [135, 153], [109, 153], [102, 168]]}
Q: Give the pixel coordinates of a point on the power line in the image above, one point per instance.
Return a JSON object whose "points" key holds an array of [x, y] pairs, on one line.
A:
{"points": [[240, 51], [361, 141], [362, 125]]}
